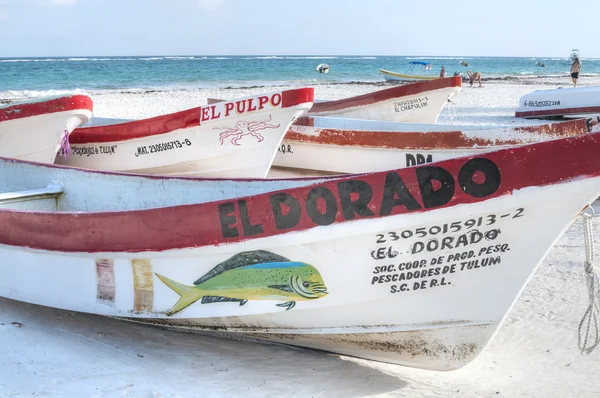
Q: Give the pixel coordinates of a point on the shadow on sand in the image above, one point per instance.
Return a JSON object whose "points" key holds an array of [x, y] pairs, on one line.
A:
{"points": [[118, 355]]}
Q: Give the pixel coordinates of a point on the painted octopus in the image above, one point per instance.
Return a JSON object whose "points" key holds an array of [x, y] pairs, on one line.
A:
{"points": [[243, 128]]}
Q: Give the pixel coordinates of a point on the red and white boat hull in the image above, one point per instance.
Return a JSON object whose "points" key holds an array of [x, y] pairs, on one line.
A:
{"points": [[419, 102], [417, 267], [34, 130], [313, 146], [562, 102], [229, 139]]}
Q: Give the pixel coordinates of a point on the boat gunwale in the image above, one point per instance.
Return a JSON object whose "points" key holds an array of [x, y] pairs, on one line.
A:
{"points": [[46, 106], [198, 225], [386, 94], [164, 124]]}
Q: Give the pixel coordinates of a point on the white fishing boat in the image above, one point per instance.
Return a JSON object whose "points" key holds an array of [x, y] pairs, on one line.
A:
{"points": [[561, 102], [420, 102], [34, 130], [323, 68], [326, 145], [418, 267], [574, 54], [237, 138]]}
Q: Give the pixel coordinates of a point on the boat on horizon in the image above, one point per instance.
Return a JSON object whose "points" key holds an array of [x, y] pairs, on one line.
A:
{"points": [[418, 267]]}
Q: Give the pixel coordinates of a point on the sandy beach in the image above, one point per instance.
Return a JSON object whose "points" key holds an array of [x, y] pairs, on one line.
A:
{"points": [[48, 352]]}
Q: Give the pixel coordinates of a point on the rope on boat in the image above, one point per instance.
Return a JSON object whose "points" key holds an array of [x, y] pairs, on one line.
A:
{"points": [[590, 322], [451, 105], [65, 147]]}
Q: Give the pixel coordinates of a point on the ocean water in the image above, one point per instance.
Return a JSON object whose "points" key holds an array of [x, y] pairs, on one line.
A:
{"points": [[31, 77]]}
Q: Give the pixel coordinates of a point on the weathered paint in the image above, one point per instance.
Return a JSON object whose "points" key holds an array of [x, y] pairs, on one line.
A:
{"points": [[44, 106], [317, 150], [105, 272], [143, 284]]}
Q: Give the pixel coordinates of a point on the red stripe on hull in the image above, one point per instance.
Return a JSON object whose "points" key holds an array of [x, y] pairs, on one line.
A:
{"points": [[559, 112], [236, 220], [62, 104], [166, 123], [429, 140], [387, 94]]}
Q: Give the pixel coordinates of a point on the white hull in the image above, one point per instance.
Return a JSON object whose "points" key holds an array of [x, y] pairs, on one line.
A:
{"points": [[402, 273], [205, 150], [341, 159], [441, 324], [38, 138], [419, 108], [420, 102], [562, 102], [337, 146]]}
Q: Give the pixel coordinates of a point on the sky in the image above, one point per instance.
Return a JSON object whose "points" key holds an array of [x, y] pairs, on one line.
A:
{"points": [[531, 28]]}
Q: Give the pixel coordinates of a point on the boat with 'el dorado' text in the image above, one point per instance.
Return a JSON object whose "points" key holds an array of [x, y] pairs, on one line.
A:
{"points": [[390, 266]]}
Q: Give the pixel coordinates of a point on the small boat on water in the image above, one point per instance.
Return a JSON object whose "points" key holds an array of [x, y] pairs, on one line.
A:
{"points": [[561, 102], [237, 138], [325, 145], [410, 75], [417, 267], [323, 68], [419, 102], [34, 130], [574, 54]]}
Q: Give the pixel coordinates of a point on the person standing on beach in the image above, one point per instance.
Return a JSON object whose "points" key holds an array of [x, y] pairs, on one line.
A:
{"points": [[442, 72], [575, 69]]}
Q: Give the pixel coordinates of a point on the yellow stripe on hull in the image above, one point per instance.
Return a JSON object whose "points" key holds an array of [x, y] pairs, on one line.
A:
{"points": [[400, 76]]}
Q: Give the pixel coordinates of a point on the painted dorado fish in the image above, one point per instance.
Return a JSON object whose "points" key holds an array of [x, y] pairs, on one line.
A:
{"points": [[253, 275]]}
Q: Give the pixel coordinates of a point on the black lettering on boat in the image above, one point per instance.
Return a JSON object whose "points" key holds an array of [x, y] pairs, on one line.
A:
{"points": [[359, 206], [413, 160], [395, 194], [227, 218], [289, 220], [328, 217], [490, 172], [247, 226], [431, 197]]}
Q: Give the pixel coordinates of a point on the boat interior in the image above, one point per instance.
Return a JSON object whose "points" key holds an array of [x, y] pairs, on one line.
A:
{"points": [[27, 186]]}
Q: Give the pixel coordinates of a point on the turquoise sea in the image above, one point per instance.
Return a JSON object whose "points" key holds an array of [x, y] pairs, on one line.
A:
{"points": [[22, 76]]}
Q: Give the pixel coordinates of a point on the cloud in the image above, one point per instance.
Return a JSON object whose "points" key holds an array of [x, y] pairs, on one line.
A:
{"points": [[211, 5], [61, 3]]}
